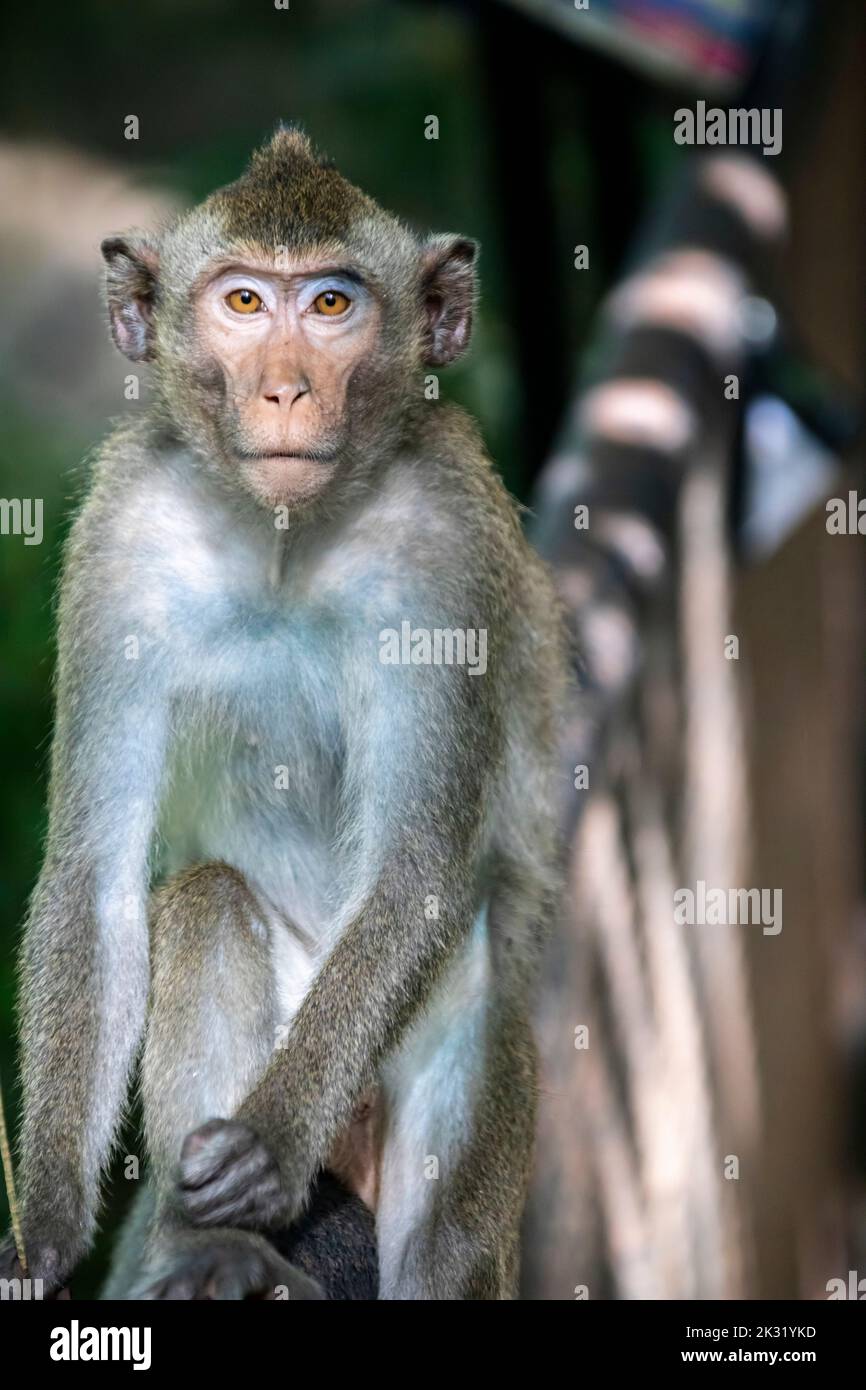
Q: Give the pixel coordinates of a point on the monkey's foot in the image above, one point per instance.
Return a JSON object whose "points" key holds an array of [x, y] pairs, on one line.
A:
{"points": [[46, 1262], [223, 1264]]}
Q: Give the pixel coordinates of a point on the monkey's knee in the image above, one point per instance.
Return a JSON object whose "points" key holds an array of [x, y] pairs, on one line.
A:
{"points": [[209, 944], [207, 932], [206, 897]]}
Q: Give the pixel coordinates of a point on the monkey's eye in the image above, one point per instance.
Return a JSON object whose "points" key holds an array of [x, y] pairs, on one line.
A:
{"points": [[244, 301], [331, 302]]}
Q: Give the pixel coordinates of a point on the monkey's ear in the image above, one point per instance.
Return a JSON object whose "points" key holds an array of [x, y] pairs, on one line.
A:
{"points": [[448, 286], [132, 266]]}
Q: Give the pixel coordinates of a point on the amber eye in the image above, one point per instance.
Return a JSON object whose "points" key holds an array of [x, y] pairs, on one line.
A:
{"points": [[244, 301], [331, 302]]}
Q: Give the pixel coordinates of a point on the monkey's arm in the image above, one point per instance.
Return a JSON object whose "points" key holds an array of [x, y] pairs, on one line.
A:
{"points": [[84, 961], [424, 807]]}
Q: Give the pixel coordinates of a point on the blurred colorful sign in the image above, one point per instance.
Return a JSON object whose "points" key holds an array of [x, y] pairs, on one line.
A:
{"points": [[714, 41]]}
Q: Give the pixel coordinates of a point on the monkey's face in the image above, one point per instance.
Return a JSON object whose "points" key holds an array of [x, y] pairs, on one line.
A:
{"points": [[289, 318], [279, 358]]}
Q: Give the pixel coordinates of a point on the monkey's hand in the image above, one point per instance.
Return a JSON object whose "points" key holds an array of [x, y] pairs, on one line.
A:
{"points": [[50, 1262], [224, 1265], [229, 1177]]}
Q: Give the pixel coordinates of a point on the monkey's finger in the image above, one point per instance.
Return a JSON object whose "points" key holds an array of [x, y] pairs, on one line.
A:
{"points": [[216, 1275], [231, 1274], [232, 1176], [230, 1280], [212, 1147], [219, 1208], [172, 1287], [259, 1200]]}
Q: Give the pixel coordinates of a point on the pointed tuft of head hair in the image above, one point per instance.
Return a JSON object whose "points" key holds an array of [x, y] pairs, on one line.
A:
{"points": [[291, 195], [288, 144]]}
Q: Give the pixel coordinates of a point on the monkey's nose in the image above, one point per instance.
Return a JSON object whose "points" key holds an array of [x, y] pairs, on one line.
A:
{"points": [[285, 396]]}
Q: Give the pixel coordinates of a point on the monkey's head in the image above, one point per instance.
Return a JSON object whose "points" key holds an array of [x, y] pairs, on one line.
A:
{"points": [[289, 319]]}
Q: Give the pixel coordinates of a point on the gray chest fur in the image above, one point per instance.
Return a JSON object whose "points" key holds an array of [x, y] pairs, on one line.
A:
{"points": [[266, 681]]}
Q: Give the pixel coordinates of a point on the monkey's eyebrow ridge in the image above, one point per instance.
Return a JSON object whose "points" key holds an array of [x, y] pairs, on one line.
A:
{"points": [[311, 272]]}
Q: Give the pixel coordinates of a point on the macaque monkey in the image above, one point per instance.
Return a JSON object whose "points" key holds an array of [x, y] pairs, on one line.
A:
{"points": [[293, 873]]}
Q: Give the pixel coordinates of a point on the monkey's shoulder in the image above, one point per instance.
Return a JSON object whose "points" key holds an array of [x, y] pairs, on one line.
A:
{"points": [[462, 488], [147, 538], [120, 470]]}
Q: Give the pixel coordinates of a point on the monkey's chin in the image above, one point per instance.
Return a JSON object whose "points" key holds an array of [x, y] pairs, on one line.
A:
{"points": [[287, 480]]}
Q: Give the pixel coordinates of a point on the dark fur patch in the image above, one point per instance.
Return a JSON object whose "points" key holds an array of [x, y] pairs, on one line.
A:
{"points": [[335, 1242], [209, 376], [290, 196]]}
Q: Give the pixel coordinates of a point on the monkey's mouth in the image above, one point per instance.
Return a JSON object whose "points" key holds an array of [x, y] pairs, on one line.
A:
{"points": [[287, 456]]}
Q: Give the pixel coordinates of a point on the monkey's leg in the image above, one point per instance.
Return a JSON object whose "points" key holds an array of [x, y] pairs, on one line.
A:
{"points": [[213, 1013], [210, 1032], [214, 1020], [460, 1098]]}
